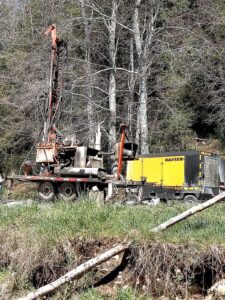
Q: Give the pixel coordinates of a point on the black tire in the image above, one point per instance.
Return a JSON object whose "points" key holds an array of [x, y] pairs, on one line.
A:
{"points": [[191, 199], [67, 191], [46, 191]]}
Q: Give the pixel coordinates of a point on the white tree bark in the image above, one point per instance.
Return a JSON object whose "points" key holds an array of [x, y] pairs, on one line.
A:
{"points": [[89, 81], [111, 23], [137, 33], [77, 272], [188, 213], [143, 43], [112, 78], [131, 85], [143, 120], [142, 123]]}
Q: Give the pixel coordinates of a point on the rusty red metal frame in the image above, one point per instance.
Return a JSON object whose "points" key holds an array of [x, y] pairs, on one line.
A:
{"points": [[122, 141], [51, 178], [53, 82]]}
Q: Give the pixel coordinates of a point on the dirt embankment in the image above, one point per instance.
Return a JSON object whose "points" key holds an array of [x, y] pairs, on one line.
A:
{"points": [[178, 272]]}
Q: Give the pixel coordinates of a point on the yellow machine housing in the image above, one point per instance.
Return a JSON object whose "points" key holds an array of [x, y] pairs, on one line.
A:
{"points": [[178, 173], [165, 170]]}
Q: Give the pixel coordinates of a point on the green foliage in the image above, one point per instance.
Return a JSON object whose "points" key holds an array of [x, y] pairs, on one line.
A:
{"points": [[4, 274], [92, 294], [127, 293], [3, 64], [72, 10], [21, 195], [4, 91], [122, 294]]}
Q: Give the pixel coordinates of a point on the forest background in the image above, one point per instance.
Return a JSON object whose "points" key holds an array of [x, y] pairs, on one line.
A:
{"points": [[157, 65]]}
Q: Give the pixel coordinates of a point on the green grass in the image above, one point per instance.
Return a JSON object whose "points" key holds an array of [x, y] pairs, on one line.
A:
{"points": [[122, 294], [20, 192], [61, 221], [34, 234]]}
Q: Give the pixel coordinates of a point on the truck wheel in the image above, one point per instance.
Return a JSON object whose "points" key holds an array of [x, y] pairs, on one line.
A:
{"points": [[46, 191], [191, 199], [67, 191]]}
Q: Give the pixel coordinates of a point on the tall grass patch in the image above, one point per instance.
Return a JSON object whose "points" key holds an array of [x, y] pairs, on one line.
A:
{"points": [[64, 220]]}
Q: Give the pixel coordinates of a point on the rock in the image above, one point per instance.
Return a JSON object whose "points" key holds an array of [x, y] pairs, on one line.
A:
{"points": [[117, 257], [217, 291], [11, 203]]}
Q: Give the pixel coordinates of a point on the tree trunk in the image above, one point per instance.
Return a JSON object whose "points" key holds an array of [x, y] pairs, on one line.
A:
{"points": [[77, 272], [112, 76], [136, 28], [189, 213], [91, 122], [89, 81], [131, 89], [142, 120], [144, 41]]}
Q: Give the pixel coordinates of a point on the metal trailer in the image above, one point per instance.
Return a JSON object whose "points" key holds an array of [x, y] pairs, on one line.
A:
{"points": [[188, 175], [71, 188], [67, 188], [67, 168]]}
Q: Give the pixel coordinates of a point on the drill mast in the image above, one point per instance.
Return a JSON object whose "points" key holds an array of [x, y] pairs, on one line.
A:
{"points": [[55, 86]]}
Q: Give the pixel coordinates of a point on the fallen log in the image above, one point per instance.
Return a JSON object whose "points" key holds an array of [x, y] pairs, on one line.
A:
{"points": [[77, 272], [90, 264], [193, 210]]}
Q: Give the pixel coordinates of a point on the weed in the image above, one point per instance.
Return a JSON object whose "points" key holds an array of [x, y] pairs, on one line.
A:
{"points": [[126, 293], [92, 294], [129, 293]]}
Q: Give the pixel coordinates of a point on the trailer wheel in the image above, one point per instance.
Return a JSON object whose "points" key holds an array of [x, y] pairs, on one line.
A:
{"points": [[46, 191], [67, 191], [191, 199]]}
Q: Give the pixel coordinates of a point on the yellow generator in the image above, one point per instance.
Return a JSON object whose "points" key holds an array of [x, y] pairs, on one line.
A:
{"points": [[189, 175]]}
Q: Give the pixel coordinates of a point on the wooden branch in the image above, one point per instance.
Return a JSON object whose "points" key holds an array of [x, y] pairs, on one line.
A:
{"points": [[189, 212], [107, 17], [90, 264], [77, 272]]}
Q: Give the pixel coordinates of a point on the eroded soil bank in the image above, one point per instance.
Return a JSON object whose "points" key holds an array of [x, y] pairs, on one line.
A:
{"points": [[153, 269]]}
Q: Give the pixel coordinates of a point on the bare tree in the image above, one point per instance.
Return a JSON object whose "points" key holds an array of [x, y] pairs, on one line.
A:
{"points": [[111, 25], [131, 84], [89, 82], [144, 29]]}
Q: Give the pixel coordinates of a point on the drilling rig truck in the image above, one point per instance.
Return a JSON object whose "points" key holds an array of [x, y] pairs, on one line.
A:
{"points": [[67, 168]]}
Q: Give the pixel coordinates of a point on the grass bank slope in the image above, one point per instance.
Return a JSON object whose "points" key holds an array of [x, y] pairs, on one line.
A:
{"points": [[59, 221], [40, 242]]}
